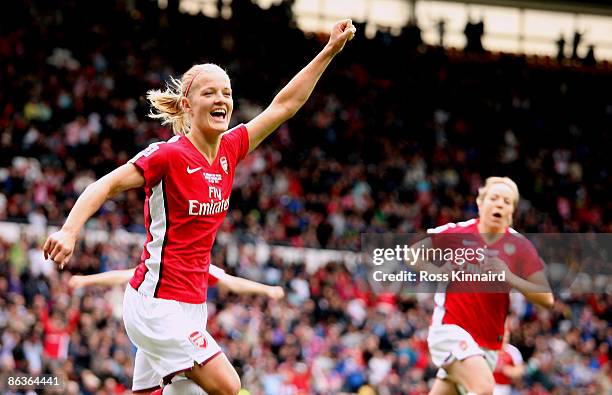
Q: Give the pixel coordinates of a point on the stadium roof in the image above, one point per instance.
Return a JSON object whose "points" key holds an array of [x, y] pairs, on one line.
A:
{"points": [[598, 7]]}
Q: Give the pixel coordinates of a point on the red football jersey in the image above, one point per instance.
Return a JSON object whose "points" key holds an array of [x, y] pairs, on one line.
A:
{"points": [[57, 339], [507, 356], [481, 314], [186, 201]]}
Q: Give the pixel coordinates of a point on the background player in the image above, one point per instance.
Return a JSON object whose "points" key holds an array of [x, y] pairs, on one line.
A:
{"points": [[510, 366], [467, 327]]}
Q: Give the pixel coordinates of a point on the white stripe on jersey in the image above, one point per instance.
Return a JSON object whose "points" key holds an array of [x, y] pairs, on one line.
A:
{"points": [[515, 354], [440, 295], [157, 228], [451, 225], [216, 272], [439, 308]]}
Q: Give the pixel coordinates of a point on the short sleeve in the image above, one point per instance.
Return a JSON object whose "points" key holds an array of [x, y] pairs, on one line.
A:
{"points": [[435, 235], [215, 273], [515, 354], [152, 162], [530, 261], [439, 236], [435, 239], [237, 140]]}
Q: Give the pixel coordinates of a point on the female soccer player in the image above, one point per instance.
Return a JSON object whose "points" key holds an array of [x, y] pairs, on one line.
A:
{"points": [[467, 327], [188, 182]]}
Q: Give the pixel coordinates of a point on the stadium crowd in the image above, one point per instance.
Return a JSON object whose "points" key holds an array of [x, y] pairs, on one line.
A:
{"points": [[396, 138]]}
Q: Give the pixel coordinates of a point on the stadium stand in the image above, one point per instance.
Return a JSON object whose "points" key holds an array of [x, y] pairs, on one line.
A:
{"points": [[395, 138]]}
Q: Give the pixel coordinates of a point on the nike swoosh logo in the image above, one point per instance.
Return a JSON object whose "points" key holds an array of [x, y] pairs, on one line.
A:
{"points": [[191, 171]]}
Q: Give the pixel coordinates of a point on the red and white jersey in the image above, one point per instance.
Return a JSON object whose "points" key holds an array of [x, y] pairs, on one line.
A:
{"points": [[57, 339], [507, 356], [186, 201], [481, 314]]}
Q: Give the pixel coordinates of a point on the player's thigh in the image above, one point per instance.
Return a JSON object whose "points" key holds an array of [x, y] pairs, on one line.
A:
{"points": [[443, 387], [145, 378], [183, 387], [216, 377], [472, 373]]}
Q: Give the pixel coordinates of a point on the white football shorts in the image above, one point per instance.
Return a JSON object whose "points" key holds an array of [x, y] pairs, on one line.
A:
{"points": [[449, 343], [171, 336]]}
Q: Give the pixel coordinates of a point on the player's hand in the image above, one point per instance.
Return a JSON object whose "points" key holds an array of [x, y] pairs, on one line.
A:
{"points": [[275, 292], [495, 265], [59, 247], [342, 32], [76, 282], [446, 269]]}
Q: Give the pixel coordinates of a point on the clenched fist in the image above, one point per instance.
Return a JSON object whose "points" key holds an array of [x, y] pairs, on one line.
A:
{"points": [[342, 32]]}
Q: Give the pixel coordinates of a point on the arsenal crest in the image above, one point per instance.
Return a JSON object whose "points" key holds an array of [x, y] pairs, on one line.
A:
{"points": [[198, 339], [224, 164], [509, 248]]}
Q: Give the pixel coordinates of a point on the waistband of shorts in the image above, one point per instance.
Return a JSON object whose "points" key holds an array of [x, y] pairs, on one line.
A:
{"points": [[169, 300]]}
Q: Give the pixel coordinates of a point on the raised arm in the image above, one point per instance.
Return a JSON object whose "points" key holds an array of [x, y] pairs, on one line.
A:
{"points": [[293, 96], [110, 278], [60, 245]]}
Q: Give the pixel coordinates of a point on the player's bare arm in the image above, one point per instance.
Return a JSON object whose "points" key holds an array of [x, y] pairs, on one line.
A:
{"points": [[60, 245], [234, 284], [535, 288], [293, 96], [243, 286], [110, 278]]}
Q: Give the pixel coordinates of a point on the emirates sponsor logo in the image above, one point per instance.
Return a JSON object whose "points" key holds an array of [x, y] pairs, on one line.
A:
{"points": [[208, 208]]}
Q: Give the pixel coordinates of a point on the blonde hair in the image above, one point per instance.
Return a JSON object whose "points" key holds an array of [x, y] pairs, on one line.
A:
{"points": [[507, 181], [167, 105]]}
